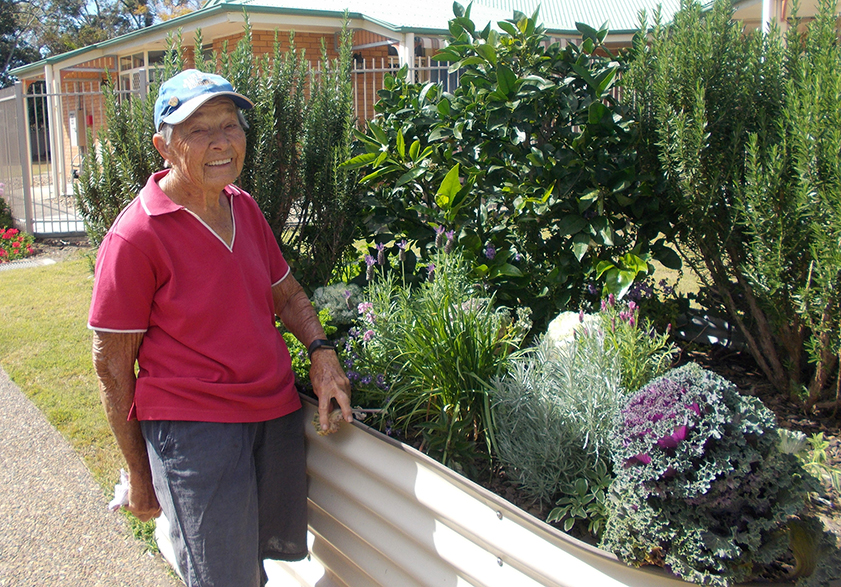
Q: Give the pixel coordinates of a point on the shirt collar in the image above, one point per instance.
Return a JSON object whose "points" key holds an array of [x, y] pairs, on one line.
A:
{"points": [[156, 203]]}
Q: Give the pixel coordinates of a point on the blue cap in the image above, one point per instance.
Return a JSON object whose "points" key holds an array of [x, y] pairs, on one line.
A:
{"points": [[184, 93]]}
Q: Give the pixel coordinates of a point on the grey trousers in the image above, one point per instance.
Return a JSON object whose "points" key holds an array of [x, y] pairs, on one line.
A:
{"points": [[235, 494]]}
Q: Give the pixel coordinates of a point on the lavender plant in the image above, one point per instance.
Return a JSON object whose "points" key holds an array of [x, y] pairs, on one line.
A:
{"points": [[554, 412], [701, 485]]}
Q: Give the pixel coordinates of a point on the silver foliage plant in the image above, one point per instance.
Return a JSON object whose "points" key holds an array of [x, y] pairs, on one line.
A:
{"points": [[554, 411]]}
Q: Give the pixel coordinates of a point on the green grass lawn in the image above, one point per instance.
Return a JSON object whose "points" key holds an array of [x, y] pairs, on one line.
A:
{"points": [[45, 347]]}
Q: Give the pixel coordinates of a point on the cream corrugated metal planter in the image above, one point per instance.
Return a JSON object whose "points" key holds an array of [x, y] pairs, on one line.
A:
{"points": [[383, 514]]}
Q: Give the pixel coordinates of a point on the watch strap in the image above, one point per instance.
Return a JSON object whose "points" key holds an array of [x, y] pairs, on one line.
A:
{"points": [[320, 343]]}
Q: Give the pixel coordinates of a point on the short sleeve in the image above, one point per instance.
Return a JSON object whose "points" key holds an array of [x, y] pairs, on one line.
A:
{"points": [[124, 287], [278, 267]]}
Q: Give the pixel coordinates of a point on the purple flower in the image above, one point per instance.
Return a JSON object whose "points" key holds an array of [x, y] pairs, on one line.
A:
{"points": [[380, 254], [611, 300], [431, 269], [369, 261], [448, 248], [592, 289], [346, 295], [402, 246], [490, 251], [439, 237], [369, 334]]}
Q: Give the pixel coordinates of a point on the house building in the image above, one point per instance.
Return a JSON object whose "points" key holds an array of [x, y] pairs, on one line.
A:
{"points": [[386, 34]]}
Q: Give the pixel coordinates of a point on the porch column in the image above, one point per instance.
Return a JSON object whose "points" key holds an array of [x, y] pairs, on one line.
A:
{"points": [[766, 16], [406, 52], [54, 117], [25, 149]]}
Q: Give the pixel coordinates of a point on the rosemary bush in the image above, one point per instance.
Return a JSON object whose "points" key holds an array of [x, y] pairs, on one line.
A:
{"points": [[435, 348], [296, 139], [742, 130], [701, 485]]}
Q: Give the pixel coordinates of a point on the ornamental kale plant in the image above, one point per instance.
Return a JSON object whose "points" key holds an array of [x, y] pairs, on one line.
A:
{"points": [[426, 355], [701, 485]]}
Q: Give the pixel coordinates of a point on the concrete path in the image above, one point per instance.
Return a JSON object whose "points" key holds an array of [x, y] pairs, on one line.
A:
{"points": [[55, 530]]}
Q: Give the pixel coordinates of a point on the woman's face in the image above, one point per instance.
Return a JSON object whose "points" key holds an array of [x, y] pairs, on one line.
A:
{"points": [[207, 149]]}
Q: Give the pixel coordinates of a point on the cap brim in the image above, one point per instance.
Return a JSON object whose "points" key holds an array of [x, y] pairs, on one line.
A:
{"points": [[190, 106]]}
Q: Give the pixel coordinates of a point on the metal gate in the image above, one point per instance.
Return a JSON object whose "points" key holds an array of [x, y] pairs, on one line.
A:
{"points": [[40, 156], [44, 135]]}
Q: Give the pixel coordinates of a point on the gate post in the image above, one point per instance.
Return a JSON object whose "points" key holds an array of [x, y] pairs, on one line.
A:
{"points": [[25, 155]]}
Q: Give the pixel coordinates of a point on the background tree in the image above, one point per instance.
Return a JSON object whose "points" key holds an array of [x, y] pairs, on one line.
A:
{"points": [[30, 31], [14, 47]]}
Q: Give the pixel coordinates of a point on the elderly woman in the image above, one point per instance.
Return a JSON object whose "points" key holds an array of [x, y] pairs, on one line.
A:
{"points": [[188, 282]]}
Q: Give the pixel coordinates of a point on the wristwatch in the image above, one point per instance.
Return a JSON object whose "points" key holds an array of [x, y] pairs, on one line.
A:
{"points": [[320, 343]]}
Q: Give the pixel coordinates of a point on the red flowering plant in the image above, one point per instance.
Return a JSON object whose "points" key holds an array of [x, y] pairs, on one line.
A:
{"points": [[14, 244]]}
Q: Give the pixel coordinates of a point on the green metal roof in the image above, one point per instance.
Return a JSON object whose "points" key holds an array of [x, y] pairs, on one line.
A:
{"points": [[557, 16], [561, 15], [424, 17]]}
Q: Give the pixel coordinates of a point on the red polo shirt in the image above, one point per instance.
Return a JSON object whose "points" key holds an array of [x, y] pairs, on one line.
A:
{"points": [[210, 351]]}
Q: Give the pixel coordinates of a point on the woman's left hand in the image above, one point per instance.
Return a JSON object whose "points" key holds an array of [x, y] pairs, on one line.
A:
{"points": [[329, 383]]}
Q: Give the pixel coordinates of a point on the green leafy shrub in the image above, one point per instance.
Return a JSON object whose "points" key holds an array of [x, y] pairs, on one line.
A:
{"points": [[701, 485], [531, 161], [6, 220], [426, 355]]}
